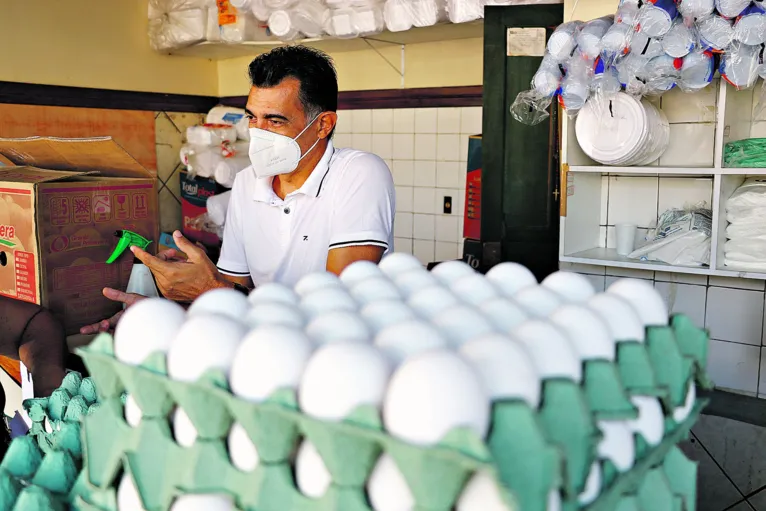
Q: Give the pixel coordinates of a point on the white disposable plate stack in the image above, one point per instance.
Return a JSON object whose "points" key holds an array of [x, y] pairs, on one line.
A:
{"points": [[622, 130]]}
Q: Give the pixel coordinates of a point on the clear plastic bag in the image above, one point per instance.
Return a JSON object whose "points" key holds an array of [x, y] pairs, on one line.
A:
{"points": [[739, 65], [401, 15], [176, 24], [217, 207], [530, 107], [681, 238]]}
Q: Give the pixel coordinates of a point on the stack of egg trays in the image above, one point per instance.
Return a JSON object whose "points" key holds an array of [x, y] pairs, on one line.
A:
{"points": [[42, 470], [530, 452]]}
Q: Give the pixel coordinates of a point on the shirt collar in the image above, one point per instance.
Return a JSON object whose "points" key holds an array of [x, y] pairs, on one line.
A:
{"points": [[263, 191]]}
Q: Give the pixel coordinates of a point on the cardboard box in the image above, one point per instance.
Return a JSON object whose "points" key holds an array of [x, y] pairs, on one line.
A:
{"points": [[472, 213], [194, 195], [59, 209]]}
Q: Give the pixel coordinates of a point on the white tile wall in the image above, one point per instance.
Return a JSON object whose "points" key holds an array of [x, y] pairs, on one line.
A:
{"points": [[731, 309], [426, 149]]}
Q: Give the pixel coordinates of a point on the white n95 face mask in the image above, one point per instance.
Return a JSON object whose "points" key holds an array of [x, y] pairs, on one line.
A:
{"points": [[272, 154]]}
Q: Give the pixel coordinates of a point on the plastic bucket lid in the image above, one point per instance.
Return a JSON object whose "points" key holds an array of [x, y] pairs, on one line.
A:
{"points": [[281, 25], [655, 19], [697, 70], [546, 82], [609, 130], [696, 9], [574, 93], [616, 39], [715, 32], [739, 66], [645, 46], [561, 44], [731, 8], [660, 74], [679, 40], [750, 28]]}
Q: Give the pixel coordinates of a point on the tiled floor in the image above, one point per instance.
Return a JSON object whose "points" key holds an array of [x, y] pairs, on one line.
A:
{"points": [[732, 464]]}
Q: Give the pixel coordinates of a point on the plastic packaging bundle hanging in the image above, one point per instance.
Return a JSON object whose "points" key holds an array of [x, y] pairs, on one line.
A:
{"points": [[217, 207], [692, 10], [715, 33], [575, 87], [697, 71], [589, 38], [656, 18], [176, 23], [307, 18], [462, 11], [563, 40], [211, 134], [731, 8], [230, 115], [401, 15], [682, 238], [530, 107], [739, 65], [679, 40], [750, 25]]}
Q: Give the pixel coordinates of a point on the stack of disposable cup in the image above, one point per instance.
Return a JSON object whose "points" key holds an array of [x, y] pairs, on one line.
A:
{"points": [[661, 74], [645, 46], [715, 33], [563, 40], [697, 71], [589, 38], [226, 171], [398, 15], [615, 41], [656, 18], [750, 26], [547, 79], [622, 130], [679, 40], [630, 71], [696, 9], [463, 11]]}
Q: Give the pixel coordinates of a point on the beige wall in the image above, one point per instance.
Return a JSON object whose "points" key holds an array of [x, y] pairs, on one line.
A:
{"points": [[585, 10], [93, 43]]}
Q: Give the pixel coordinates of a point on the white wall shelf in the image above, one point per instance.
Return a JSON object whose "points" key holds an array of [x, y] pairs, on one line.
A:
{"points": [[690, 171], [443, 32]]}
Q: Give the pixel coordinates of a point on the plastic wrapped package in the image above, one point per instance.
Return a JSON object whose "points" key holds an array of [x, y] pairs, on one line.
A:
{"points": [[679, 40], [368, 20], [751, 194], [227, 170], [230, 115], [279, 4], [656, 18], [201, 160], [746, 232], [715, 33], [627, 13], [547, 79], [681, 238], [696, 9], [606, 82], [260, 10], [462, 11], [630, 71], [530, 107], [176, 23], [217, 206], [589, 38], [645, 46], [697, 71], [563, 40], [211, 134], [616, 41], [341, 23], [739, 65], [306, 18], [731, 8], [661, 74], [281, 25], [750, 26], [400, 15], [575, 87]]}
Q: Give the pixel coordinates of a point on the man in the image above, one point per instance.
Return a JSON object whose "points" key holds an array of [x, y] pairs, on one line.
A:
{"points": [[304, 206]]}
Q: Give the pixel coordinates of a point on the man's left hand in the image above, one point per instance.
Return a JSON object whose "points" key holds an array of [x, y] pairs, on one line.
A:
{"points": [[182, 280]]}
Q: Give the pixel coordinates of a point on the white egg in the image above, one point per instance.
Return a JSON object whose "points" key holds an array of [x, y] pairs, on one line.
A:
{"points": [[398, 262], [550, 350], [358, 272], [431, 301], [622, 320], [242, 451], [147, 327], [269, 359], [274, 313], [617, 444], [191, 502], [650, 422], [316, 281], [505, 368], [272, 292], [461, 323], [413, 281], [481, 494], [375, 289], [681, 413], [572, 287], [204, 342], [128, 498], [326, 300], [380, 315], [503, 314], [338, 326], [184, 431], [387, 488], [133, 413], [403, 340], [450, 271], [226, 302], [588, 333], [433, 393], [644, 298], [510, 278], [311, 473], [474, 289], [554, 501], [49, 427], [340, 377], [538, 301], [592, 486]]}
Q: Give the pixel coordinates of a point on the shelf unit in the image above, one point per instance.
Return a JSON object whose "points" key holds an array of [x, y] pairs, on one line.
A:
{"points": [[443, 32], [691, 170]]}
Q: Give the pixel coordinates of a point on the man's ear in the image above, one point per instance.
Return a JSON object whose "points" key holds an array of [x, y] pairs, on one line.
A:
{"points": [[327, 122]]}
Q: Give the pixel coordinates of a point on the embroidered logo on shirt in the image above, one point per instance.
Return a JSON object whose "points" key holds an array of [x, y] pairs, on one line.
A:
{"points": [[305, 238]]}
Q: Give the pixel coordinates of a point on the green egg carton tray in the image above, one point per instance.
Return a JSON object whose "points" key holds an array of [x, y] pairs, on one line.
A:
{"points": [[529, 452]]}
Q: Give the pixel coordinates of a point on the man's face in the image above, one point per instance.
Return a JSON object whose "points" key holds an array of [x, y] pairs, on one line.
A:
{"points": [[279, 110]]}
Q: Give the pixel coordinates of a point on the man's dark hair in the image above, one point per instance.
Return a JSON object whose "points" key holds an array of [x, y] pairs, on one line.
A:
{"points": [[312, 68]]}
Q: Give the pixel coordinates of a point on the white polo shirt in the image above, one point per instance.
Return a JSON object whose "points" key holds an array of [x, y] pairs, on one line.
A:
{"points": [[348, 200]]}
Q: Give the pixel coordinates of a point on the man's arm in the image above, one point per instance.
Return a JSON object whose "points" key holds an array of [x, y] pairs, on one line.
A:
{"points": [[338, 259]]}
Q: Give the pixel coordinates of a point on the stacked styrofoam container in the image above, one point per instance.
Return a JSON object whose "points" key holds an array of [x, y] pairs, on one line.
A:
{"points": [[179, 23], [400, 389], [43, 469]]}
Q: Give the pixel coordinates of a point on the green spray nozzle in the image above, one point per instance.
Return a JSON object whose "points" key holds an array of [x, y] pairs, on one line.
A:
{"points": [[127, 239]]}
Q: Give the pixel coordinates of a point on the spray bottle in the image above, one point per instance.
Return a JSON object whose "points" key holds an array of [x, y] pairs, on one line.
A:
{"points": [[141, 280]]}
